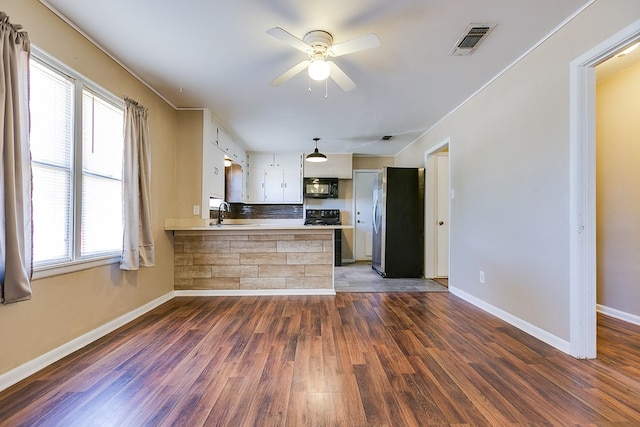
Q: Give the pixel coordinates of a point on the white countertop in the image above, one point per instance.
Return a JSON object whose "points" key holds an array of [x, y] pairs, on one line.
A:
{"points": [[197, 224]]}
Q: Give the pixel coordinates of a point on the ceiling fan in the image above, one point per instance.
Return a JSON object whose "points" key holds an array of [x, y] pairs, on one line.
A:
{"points": [[318, 45]]}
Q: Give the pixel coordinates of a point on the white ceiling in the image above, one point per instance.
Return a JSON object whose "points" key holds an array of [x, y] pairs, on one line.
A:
{"points": [[219, 53]]}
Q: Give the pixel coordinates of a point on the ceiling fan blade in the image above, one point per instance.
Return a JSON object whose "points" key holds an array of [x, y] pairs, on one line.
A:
{"points": [[289, 73], [367, 41], [341, 79], [288, 38]]}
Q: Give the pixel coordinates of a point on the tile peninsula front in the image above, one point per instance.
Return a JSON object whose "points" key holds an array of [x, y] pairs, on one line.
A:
{"points": [[254, 259]]}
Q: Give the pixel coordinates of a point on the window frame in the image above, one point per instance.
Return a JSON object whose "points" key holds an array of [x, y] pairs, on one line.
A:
{"points": [[80, 84]]}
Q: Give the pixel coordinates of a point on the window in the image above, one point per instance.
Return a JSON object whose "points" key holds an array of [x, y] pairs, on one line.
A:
{"points": [[76, 149]]}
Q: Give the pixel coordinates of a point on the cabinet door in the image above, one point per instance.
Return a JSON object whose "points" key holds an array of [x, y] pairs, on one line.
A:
{"points": [[243, 156], [287, 161], [255, 185], [273, 185], [215, 171], [292, 186], [260, 160], [224, 142]]}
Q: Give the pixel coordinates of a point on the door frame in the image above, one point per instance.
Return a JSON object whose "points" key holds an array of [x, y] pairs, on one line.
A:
{"points": [[582, 206], [430, 241], [353, 206]]}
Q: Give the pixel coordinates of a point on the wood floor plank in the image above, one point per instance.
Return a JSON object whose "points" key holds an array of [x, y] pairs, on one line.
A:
{"points": [[359, 359]]}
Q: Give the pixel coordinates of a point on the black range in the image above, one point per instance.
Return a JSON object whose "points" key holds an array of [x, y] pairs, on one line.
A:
{"points": [[327, 217]]}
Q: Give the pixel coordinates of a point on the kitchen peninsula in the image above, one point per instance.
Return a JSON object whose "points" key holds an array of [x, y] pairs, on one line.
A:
{"points": [[249, 258]]}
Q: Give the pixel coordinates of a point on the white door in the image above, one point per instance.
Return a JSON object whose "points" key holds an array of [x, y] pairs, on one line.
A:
{"points": [[363, 205], [442, 214]]}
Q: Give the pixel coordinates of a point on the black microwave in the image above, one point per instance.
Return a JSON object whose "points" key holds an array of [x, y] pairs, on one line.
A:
{"points": [[320, 188]]}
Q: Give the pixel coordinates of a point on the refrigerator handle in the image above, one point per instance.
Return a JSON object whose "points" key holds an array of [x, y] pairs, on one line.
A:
{"points": [[375, 211]]}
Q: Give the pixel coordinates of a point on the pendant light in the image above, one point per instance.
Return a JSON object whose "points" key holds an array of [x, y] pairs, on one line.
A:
{"points": [[316, 156]]}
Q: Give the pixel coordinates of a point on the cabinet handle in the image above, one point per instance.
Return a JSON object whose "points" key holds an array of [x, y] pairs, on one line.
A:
{"points": [[216, 171]]}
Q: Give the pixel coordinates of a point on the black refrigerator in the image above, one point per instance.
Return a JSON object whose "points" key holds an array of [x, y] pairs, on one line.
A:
{"points": [[398, 223]]}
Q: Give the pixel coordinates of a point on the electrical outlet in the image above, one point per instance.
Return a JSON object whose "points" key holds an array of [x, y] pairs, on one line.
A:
{"points": [[481, 276], [196, 209]]}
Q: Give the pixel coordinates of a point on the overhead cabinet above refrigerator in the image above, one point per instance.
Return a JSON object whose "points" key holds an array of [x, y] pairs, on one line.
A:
{"points": [[398, 223]]}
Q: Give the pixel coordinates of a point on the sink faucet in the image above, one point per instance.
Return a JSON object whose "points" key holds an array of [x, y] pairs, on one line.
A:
{"points": [[220, 206]]}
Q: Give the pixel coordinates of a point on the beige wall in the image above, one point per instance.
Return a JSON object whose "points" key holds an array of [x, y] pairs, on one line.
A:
{"points": [[618, 190], [368, 162], [188, 180], [509, 154], [67, 306]]}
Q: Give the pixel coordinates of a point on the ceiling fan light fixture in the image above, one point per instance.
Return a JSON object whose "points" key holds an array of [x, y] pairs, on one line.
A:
{"points": [[319, 69], [316, 156]]}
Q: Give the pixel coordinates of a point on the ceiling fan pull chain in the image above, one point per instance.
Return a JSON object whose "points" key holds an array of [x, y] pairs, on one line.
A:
{"points": [[309, 81], [326, 89]]}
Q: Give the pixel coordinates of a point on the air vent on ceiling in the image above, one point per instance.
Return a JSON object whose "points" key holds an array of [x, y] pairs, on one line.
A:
{"points": [[386, 138], [471, 38]]}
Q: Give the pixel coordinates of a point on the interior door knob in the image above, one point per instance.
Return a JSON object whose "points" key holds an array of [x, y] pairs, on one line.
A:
{"points": [[440, 222]]}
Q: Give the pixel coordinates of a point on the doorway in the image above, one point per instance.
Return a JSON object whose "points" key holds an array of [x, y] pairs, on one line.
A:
{"points": [[363, 183], [582, 271], [437, 199]]}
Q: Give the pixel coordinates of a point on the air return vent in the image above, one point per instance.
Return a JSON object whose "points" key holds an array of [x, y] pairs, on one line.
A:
{"points": [[471, 38], [386, 138]]}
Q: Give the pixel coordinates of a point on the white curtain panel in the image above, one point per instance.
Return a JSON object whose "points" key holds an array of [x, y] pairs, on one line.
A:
{"points": [[138, 247], [16, 234]]}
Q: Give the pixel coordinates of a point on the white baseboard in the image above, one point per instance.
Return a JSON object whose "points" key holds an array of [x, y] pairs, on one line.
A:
{"points": [[252, 292], [532, 330], [31, 367], [23, 371], [627, 317]]}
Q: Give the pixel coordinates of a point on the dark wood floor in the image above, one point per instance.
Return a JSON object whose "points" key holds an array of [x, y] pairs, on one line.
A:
{"points": [[444, 281], [358, 359]]}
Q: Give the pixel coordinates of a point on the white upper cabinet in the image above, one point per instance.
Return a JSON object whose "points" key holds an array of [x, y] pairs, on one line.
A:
{"points": [[215, 171], [260, 160], [230, 148], [212, 164], [336, 166], [287, 161], [274, 178]]}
